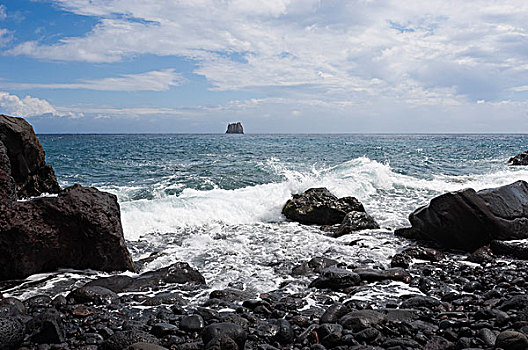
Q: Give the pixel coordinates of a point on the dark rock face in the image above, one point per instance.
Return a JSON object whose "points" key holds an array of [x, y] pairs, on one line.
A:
{"points": [[468, 219], [80, 228], [520, 159], [26, 157], [320, 207], [356, 221], [235, 128]]}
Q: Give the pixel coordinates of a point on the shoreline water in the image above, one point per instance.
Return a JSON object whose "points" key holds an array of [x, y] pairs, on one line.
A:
{"points": [[204, 211]]}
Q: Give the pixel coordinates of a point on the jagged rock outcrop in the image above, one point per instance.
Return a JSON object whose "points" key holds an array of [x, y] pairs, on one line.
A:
{"points": [[28, 168], [235, 128], [318, 206], [79, 228], [468, 220], [520, 159]]}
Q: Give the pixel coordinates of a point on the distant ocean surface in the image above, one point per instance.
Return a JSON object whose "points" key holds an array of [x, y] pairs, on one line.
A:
{"points": [[215, 200]]}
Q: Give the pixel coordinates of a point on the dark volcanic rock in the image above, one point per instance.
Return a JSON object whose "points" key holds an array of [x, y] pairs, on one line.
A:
{"points": [[482, 255], [316, 265], [319, 206], [95, 294], [235, 128], [362, 319], [80, 228], [226, 329], [179, 272], [336, 278], [373, 275], [26, 157], [510, 340], [518, 250], [355, 221], [469, 220], [11, 333], [520, 159], [122, 340]]}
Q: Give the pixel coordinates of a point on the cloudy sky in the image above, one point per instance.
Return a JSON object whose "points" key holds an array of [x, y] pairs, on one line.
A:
{"points": [[276, 65]]}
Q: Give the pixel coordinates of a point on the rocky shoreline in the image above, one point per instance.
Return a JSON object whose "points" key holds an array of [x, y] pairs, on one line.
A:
{"points": [[457, 305], [474, 298]]}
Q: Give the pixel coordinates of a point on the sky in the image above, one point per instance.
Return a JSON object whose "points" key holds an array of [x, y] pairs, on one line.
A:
{"points": [[278, 66]]}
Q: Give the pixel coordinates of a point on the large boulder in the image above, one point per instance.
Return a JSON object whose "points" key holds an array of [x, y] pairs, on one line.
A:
{"points": [[27, 164], [80, 228], [467, 219], [319, 206], [520, 159]]}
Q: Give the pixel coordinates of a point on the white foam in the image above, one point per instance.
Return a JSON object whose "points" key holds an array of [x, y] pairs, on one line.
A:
{"points": [[387, 195]]}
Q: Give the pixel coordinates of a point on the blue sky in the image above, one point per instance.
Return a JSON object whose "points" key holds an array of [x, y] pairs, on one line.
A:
{"points": [[276, 65]]}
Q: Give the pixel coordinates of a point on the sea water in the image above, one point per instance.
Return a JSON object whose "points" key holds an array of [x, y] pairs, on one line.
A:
{"points": [[215, 201]]}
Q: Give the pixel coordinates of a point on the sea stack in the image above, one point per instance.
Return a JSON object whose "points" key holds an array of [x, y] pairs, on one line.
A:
{"points": [[235, 128]]}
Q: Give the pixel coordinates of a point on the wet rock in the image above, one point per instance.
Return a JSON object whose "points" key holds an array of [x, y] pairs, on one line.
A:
{"points": [[145, 346], [468, 220], [439, 343], [49, 332], [315, 265], [11, 307], [330, 334], [511, 340], [27, 164], [221, 331], [373, 275], [361, 319], [515, 302], [95, 294], [334, 313], [194, 323], [520, 159], [320, 207], [401, 260], [123, 339], [336, 278], [222, 342], [424, 253], [518, 250], [231, 295], [179, 272], [165, 298], [487, 336], [367, 335], [420, 302], [80, 228], [482, 255], [161, 329], [285, 333], [356, 221], [11, 333]]}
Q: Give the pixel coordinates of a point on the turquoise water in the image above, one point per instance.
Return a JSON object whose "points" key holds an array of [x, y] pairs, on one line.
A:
{"points": [[215, 200]]}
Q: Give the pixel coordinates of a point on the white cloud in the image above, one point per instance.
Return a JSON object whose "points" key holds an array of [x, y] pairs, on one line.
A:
{"points": [[161, 80], [24, 107], [438, 52], [3, 12]]}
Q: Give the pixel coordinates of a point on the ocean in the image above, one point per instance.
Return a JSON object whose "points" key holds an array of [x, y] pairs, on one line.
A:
{"points": [[215, 201]]}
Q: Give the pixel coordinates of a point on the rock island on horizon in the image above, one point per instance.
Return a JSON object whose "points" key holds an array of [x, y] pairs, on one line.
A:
{"points": [[235, 128]]}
